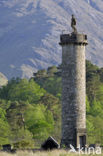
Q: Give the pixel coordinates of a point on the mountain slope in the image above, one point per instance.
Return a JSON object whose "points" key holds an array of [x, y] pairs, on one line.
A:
{"points": [[30, 30], [3, 80]]}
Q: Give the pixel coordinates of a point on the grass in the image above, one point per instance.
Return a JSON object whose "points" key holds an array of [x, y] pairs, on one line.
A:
{"points": [[43, 153]]}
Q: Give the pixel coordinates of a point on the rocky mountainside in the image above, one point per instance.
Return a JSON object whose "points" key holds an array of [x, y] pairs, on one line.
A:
{"points": [[3, 80], [30, 30]]}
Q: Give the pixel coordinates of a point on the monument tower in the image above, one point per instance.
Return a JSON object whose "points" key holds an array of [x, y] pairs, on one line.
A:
{"points": [[73, 88]]}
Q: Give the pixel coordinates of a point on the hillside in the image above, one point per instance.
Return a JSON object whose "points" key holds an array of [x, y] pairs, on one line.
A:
{"points": [[30, 110], [3, 80], [30, 30]]}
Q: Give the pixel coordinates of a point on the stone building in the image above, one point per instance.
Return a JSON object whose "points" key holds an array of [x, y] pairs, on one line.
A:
{"points": [[73, 89]]}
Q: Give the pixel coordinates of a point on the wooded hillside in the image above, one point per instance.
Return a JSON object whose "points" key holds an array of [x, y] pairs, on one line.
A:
{"points": [[30, 110]]}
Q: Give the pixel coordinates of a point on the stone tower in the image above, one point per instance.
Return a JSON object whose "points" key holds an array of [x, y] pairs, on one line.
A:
{"points": [[73, 89]]}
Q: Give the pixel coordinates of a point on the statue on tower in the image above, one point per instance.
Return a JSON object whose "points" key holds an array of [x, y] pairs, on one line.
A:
{"points": [[73, 24]]}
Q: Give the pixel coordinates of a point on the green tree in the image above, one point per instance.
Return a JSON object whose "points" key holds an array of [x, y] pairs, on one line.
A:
{"points": [[4, 128], [41, 73], [52, 70], [53, 104], [39, 121], [87, 105], [90, 129], [52, 85], [5, 89], [25, 91], [96, 109], [22, 139], [15, 114]]}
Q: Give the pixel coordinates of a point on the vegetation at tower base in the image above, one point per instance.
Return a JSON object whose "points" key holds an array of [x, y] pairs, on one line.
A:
{"points": [[30, 110]]}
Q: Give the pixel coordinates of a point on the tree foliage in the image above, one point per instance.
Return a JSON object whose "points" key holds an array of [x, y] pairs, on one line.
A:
{"points": [[39, 121], [4, 128], [30, 110]]}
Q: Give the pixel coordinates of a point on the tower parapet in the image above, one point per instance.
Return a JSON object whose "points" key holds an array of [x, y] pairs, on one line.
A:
{"points": [[73, 39]]}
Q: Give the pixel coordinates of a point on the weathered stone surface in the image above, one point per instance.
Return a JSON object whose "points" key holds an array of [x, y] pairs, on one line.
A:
{"points": [[73, 88]]}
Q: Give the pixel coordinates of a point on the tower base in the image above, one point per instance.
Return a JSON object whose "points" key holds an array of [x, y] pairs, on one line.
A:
{"points": [[79, 140]]}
